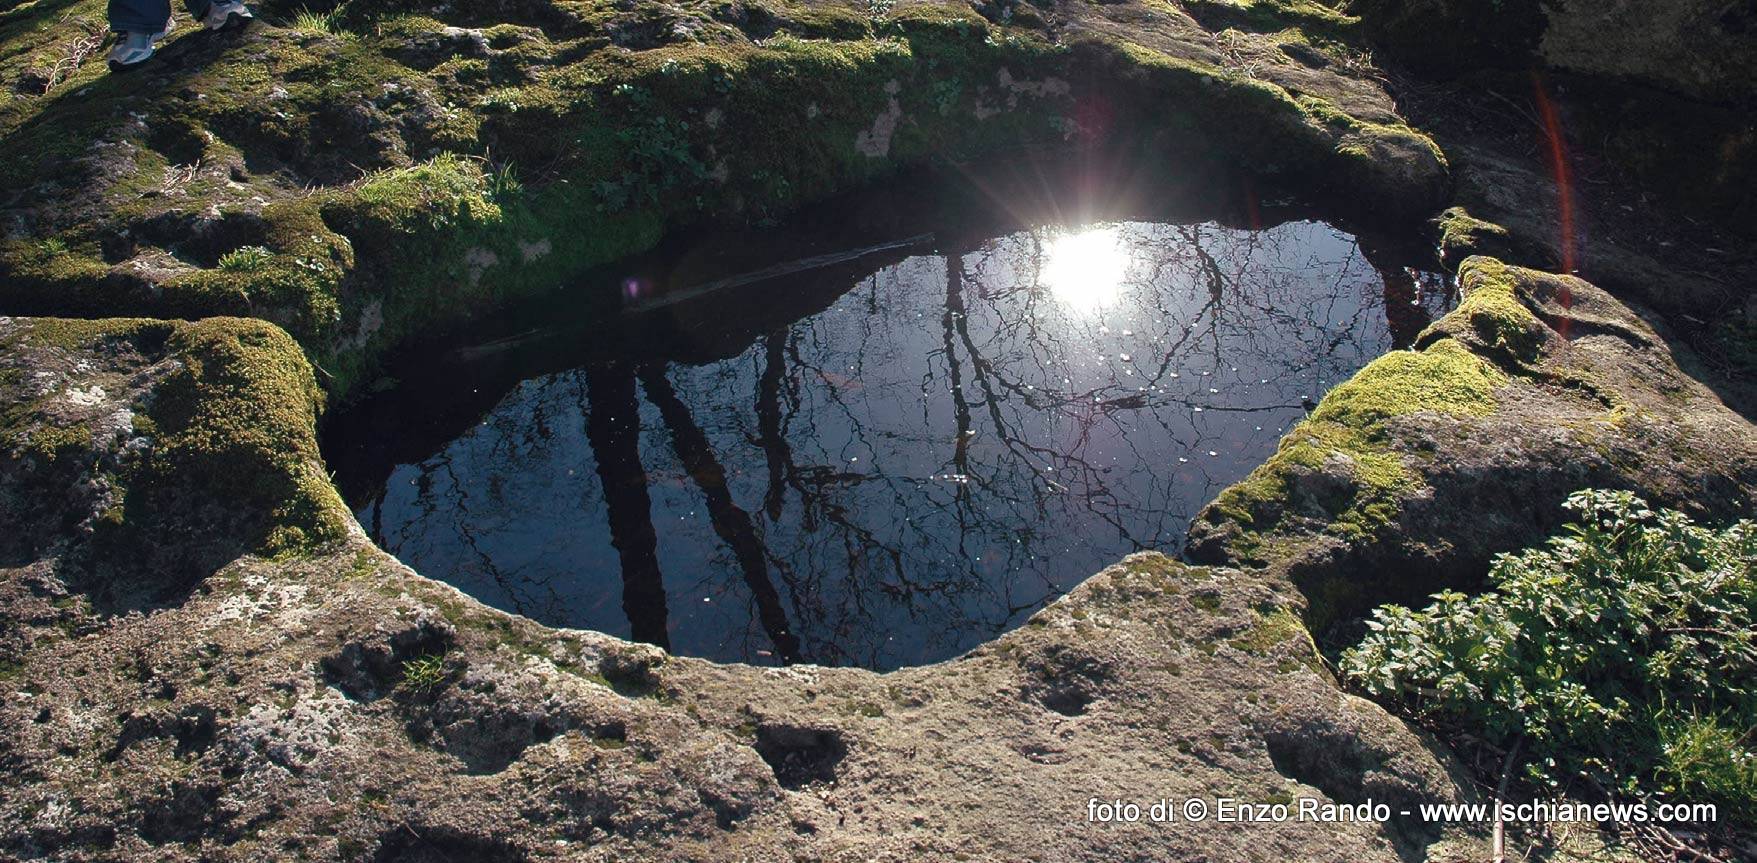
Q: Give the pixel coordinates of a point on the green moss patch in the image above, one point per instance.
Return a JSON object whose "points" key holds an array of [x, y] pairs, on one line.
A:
{"points": [[462, 168], [1445, 378], [1344, 442], [1462, 235], [1491, 316], [230, 461], [237, 428], [1281, 632]]}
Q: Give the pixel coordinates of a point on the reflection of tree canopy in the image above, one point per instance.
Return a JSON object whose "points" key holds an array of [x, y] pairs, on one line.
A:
{"points": [[916, 468], [465, 516]]}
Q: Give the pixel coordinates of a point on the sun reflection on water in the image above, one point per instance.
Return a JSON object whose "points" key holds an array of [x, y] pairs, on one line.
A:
{"points": [[1084, 271]]}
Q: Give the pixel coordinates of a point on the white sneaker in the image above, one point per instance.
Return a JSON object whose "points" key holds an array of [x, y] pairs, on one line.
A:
{"points": [[224, 14], [133, 49]]}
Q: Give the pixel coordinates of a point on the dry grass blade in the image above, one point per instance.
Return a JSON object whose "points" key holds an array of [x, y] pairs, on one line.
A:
{"points": [[79, 50]]}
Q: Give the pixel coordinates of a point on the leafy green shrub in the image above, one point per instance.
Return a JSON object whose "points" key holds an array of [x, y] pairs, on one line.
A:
{"points": [[245, 259], [658, 151], [1624, 652]]}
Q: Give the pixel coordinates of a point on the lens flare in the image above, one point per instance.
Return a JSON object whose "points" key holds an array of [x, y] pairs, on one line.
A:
{"points": [[1085, 271], [1558, 147]]}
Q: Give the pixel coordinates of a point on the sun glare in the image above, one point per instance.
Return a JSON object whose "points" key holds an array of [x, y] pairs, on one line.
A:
{"points": [[1085, 270]]}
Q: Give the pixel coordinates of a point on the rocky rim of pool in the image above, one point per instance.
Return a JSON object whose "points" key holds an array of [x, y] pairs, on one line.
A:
{"points": [[205, 657]]}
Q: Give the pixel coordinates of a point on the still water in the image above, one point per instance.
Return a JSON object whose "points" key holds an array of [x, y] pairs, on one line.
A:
{"points": [[883, 455]]}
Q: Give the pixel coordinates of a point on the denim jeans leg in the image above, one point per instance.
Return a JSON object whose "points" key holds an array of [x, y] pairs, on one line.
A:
{"points": [[139, 16]]}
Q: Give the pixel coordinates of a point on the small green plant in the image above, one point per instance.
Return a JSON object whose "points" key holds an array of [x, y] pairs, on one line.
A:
{"points": [[503, 182], [658, 152], [503, 100], [1624, 654], [423, 673], [246, 259], [52, 247], [943, 94]]}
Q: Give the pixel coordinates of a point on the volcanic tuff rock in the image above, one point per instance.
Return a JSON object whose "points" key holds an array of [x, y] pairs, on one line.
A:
{"points": [[331, 703], [203, 657]]}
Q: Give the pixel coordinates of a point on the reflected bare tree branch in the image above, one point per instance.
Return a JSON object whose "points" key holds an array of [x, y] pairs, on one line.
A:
{"points": [[938, 453], [613, 426], [732, 524]]}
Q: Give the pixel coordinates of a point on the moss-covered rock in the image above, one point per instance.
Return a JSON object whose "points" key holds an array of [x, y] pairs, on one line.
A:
{"points": [[1407, 478], [1338, 466], [182, 446], [1462, 235], [1491, 317], [404, 170]]}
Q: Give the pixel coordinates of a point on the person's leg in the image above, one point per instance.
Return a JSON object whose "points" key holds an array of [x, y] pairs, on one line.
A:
{"points": [[218, 14], [139, 16], [139, 25]]}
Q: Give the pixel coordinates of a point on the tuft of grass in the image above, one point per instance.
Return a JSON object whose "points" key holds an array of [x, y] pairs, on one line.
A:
{"points": [[1708, 755], [446, 192], [423, 673], [503, 182], [313, 22], [246, 259], [328, 23]]}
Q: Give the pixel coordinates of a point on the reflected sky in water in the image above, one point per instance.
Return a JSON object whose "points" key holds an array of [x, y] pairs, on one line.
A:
{"points": [[956, 439]]}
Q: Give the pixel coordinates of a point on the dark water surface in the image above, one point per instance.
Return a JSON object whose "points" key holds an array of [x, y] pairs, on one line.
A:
{"points": [[877, 450]]}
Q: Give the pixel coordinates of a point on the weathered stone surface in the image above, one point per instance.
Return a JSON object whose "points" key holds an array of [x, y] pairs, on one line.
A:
{"points": [[204, 659], [331, 704], [1702, 49], [336, 705], [1546, 385], [1478, 33], [226, 734], [1699, 49]]}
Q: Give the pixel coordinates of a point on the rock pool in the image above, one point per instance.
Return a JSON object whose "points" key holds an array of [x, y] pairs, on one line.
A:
{"points": [[878, 454]]}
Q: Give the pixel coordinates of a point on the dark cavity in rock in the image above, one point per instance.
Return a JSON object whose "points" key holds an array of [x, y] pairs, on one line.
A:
{"points": [[799, 755]]}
